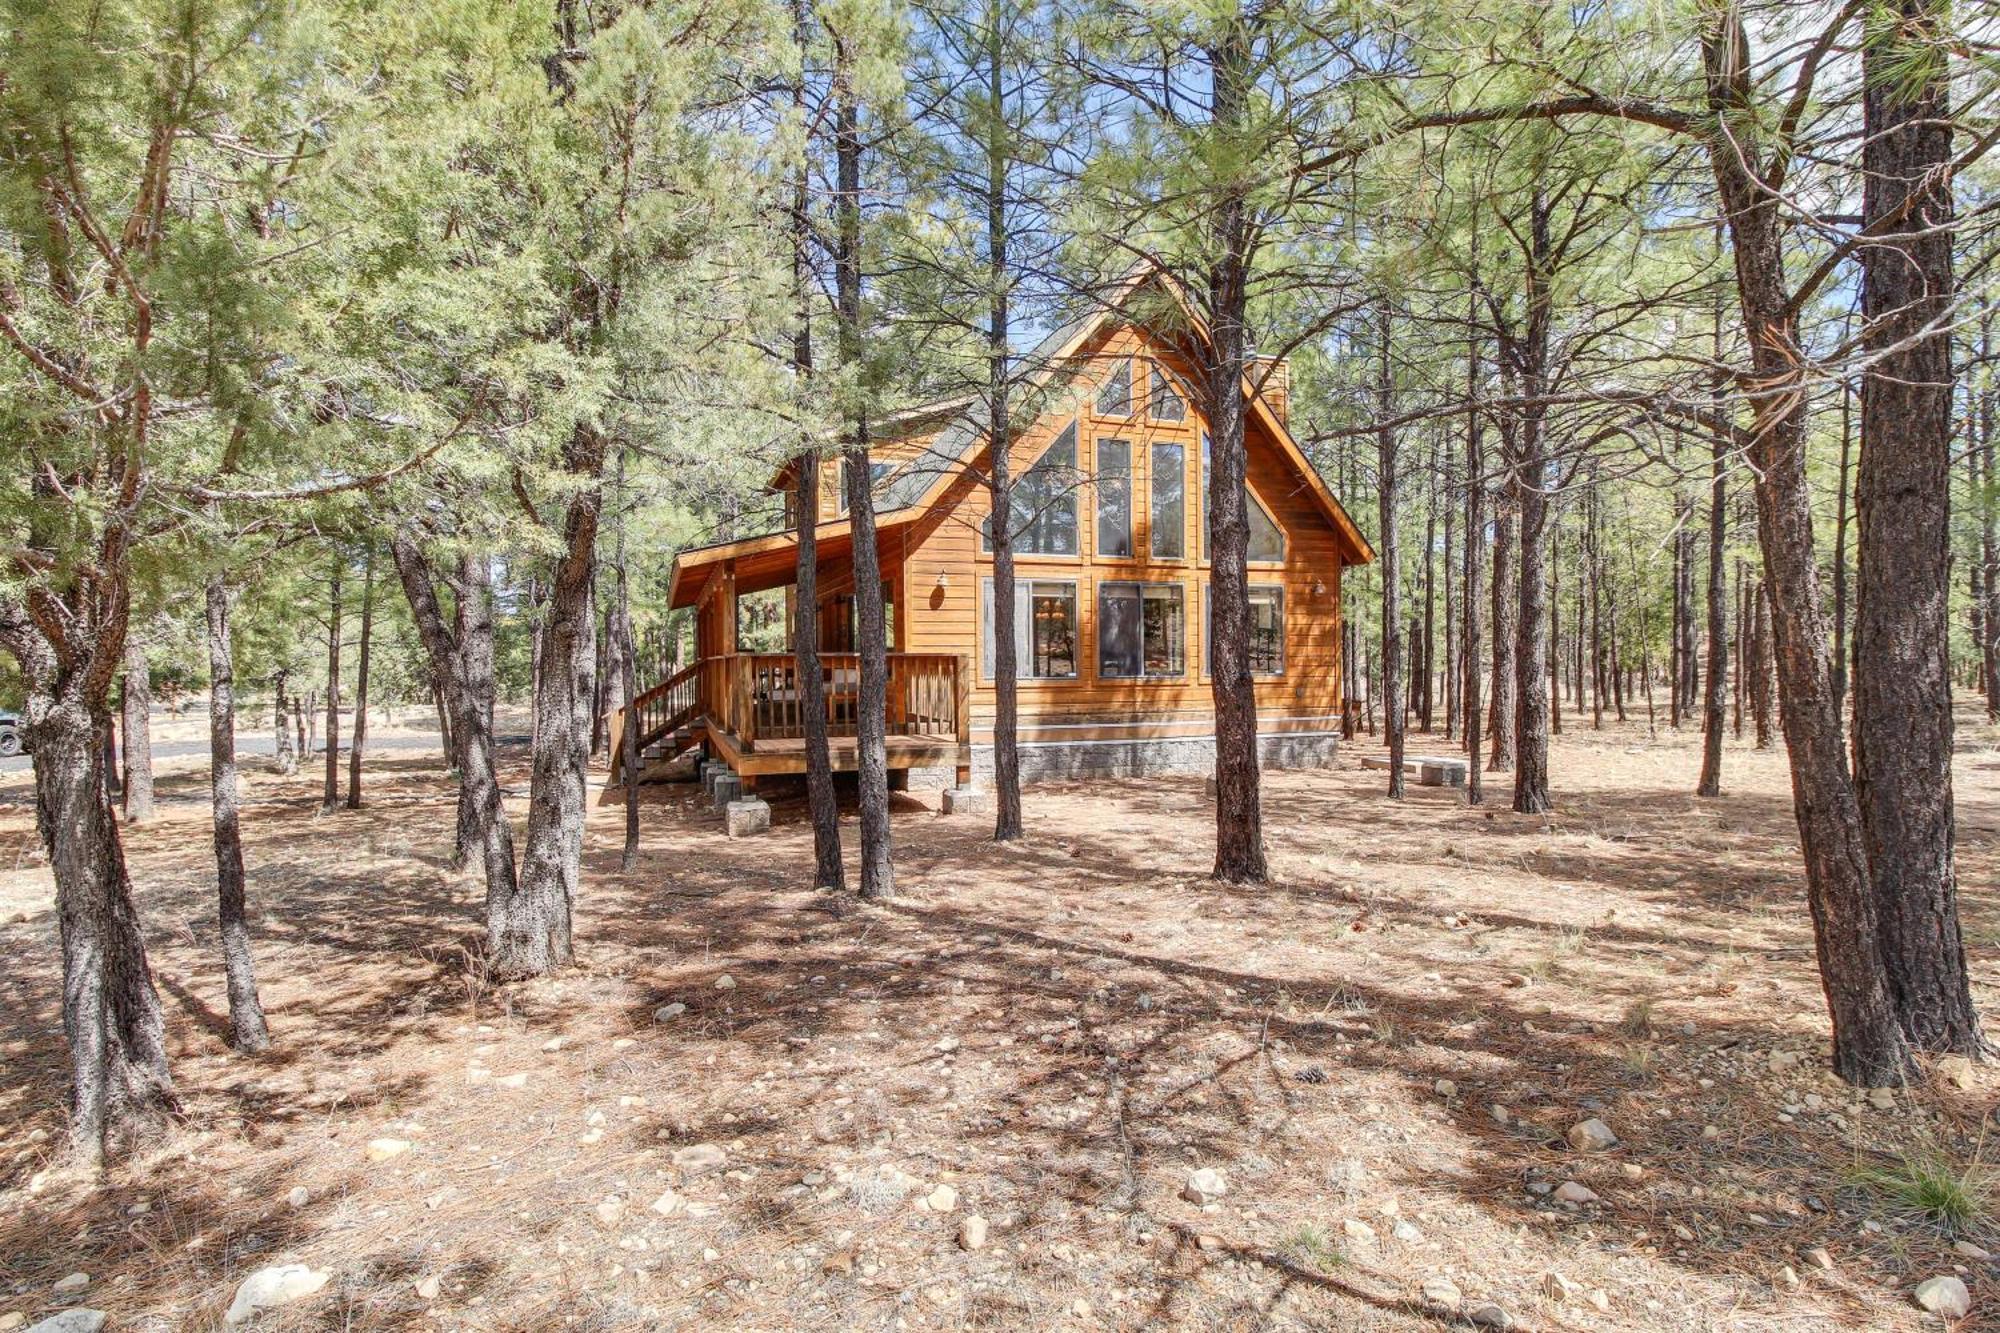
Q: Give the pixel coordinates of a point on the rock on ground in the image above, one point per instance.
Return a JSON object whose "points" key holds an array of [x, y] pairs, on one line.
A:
{"points": [[1945, 1296], [1205, 1186], [1591, 1135], [71, 1321], [270, 1287]]}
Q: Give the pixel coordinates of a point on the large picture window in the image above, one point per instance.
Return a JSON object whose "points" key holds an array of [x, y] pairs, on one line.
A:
{"points": [[1044, 502], [1141, 630], [1169, 513], [1044, 629], [1114, 498], [1267, 630], [1267, 539], [1114, 396]]}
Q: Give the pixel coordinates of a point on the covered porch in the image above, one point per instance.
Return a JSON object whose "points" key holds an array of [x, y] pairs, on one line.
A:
{"points": [[742, 699]]}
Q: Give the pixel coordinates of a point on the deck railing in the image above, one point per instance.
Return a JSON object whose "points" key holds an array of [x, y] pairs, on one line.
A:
{"points": [[757, 696]]}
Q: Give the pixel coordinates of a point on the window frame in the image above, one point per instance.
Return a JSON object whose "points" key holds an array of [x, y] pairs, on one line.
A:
{"points": [[1159, 377], [1097, 499], [1075, 500], [879, 472], [1250, 492], [1141, 585], [1208, 632], [1025, 584], [1124, 364], [1153, 474]]}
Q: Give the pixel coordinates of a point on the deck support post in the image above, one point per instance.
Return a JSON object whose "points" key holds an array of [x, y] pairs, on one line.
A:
{"points": [[963, 707]]}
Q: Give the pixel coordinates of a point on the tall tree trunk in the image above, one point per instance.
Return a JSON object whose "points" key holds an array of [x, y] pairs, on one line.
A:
{"points": [[286, 750], [1231, 246], [1475, 537], [1713, 719], [121, 1089], [461, 659], [1392, 554], [1763, 668], [1428, 644], [870, 739], [533, 935], [1842, 511], [1506, 609], [1902, 687], [1868, 1044], [138, 710], [829, 871], [330, 796], [624, 668], [1555, 648], [999, 434], [247, 1029], [1989, 523], [361, 683]]}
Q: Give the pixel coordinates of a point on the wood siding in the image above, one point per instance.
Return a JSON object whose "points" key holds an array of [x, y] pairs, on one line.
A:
{"points": [[943, 571]]}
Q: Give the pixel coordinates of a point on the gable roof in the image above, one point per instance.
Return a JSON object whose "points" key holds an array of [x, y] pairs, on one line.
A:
{"points": [[919, 483]]}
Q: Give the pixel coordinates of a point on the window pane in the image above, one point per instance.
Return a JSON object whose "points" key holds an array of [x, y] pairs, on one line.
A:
{"points": [[1267, 543], [1114, 397], [1114, 498], [1169, 517], [1165, 402], [1267, 631], [1118, 629], [1165, 630], [1044, 503], [1054, 650]]}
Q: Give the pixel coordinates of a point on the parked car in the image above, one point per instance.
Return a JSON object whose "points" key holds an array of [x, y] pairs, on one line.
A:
{"points": [[12, 734]]}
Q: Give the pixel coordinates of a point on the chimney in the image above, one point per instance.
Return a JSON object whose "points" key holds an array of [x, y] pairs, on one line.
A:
{"points": [[1277, 386]]}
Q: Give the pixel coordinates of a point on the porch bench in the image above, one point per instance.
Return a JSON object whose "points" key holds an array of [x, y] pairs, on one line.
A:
{"points": [[1429, 770]]}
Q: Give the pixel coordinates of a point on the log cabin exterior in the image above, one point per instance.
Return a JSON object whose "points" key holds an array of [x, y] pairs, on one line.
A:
{"points": [[1111, 566]]}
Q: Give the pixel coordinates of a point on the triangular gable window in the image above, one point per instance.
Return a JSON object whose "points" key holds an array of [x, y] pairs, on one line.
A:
{"points": [[1267, 539], [1044, 502], [1163, 401]]}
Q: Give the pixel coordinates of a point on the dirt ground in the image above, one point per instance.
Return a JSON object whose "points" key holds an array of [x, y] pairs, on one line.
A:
{"points": [[1381, 1054]]}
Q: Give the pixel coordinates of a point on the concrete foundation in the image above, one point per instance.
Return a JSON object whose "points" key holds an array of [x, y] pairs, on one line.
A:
{"points": [[727, 787], [967, 801], [742, 818], [1047, 761]]}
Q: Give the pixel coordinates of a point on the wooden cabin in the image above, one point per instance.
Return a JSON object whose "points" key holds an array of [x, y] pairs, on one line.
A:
{"points": [[1111, 566]]}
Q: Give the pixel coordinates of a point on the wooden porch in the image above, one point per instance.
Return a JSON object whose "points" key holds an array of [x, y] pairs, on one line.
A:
{"points": [[748, 710]]}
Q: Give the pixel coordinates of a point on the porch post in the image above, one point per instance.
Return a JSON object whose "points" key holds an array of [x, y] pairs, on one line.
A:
{"points": [[962, 704]]}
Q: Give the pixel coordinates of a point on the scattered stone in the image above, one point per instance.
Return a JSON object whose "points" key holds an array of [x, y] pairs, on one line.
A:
{"points": [[946, 1045], [429, 1287], [1788, 1279], [1441, 1293], [1782, 1061], [1882, 1099], [1945, 1296], [12, 1320], [1489, 1315], [552, 1045], [71, 1321], [1407, 1232], [1559, 1288], [942, 1199], [667, 1013], [1956, 1070], [1571, 1191], [1967, 1250], [1356, 1229], [268, 1288], [1205, 1186], [725, 982], [512, 1080], [1632, 1171], [1601, 1298], [1501, 1115], [972, 1233], [299, 1197], [74, 1282], [668, 1204], [1820, 1258], [1591, 1135], [699, 1160], [1444, 1087], [611, 1211]]}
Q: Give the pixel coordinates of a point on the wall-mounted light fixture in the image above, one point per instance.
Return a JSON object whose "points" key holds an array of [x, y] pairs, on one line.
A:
{"points": [[1319, 588], [944, 578]]}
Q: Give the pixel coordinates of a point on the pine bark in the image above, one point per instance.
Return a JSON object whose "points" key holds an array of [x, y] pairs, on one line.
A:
{"points": [[330, 793], [1902, 684], [285, 749], [870, 738], [1713, 717], [999, 434], [1386, 488], [1475, 536], [138, 733], [1868, 1044], [361, 663], [247, 1029], [1506, 609], [461, 659], [534, 933]]}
